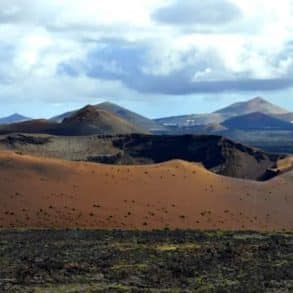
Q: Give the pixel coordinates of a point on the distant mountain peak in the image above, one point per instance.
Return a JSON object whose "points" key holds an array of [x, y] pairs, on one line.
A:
{"points": [[257, 104], [17, 115], [91, 120], [87, 108], [130, 116], [108, 103], [111, 107], [259, 99], [88, 113], [13, 118]]}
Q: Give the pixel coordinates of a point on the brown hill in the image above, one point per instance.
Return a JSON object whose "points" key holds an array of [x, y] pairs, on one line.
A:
{"points": [[87, 121], [133, 118], [30, 126], [50, 193], [90, 120]]}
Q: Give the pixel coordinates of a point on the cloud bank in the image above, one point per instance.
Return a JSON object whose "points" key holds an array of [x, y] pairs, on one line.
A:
{"points": [[53, 51], [197, 12]]}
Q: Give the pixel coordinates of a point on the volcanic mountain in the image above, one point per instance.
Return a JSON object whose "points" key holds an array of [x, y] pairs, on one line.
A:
{"points": [[238, 109], [87, 121], [14, 118], [135, 119], [257, 104], [132, 117], [257, 121], [90, 120]]}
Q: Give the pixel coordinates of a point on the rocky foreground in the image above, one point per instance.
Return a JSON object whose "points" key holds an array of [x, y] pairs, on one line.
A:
{"points": [[157, 261]]}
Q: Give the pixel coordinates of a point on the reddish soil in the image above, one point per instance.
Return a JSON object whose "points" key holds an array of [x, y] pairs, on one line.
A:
{"points": [[50, 193]]}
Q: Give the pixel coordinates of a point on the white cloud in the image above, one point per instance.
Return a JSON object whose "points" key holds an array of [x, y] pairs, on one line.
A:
{"points": [[37, 36]]}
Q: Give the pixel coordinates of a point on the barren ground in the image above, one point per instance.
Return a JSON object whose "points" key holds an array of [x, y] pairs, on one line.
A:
{"points": [[157, 261], [50, 193]]}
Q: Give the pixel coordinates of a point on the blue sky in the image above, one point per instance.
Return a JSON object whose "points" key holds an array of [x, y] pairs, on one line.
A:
{"points": [[157, 57]]}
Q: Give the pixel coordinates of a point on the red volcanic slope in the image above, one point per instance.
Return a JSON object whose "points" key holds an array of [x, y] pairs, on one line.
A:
{"points": [[49, 193]]}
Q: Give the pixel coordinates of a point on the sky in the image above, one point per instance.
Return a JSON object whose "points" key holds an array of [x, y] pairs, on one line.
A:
{"points": [[156, 57]]}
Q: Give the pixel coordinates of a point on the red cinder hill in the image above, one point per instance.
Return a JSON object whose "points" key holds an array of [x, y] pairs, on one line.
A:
{"points": [[50, 193]]}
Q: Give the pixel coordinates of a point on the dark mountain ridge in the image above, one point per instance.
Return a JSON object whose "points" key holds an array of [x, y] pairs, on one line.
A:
{"points": [[257, 121]]}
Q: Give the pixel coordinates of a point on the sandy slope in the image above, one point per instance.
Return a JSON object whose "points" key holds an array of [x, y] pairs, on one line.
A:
{"points": [[37, 192]]}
